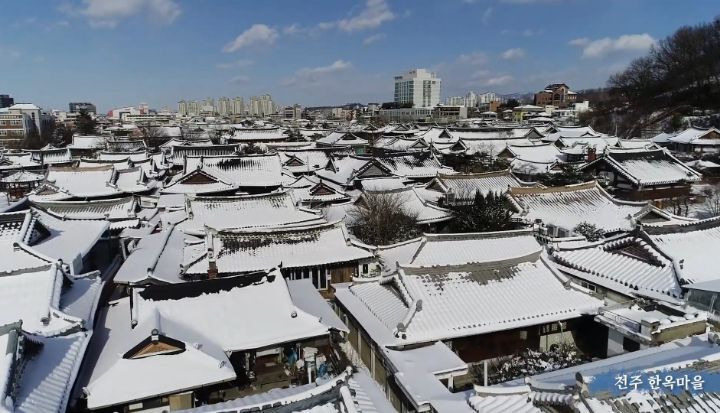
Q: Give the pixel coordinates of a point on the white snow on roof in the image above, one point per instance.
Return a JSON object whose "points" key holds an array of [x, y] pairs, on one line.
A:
{"points": [[465, 186], [149, 377], [566, 207], [48, 377], [306, 296], [625, 264], [413, 204], [156, 257], [462, 249], [696, 136], [247, 171], [112, 209], [692, 246], [245, 251], [651, 167], [263, 304], [276, 209], [34, 298], [258, 135], [458, 302]]}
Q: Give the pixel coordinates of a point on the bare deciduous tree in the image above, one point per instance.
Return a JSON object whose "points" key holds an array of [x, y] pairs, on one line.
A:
{"points": [[712, 200], [382, 218]]}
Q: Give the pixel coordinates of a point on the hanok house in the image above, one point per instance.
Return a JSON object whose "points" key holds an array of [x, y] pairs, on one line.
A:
{"points": [[218, 330], [460, 189], [323, 253], [178, 153], [252, 174], [696, 140], [33, 239], [274, 210], [559, 210], [339, 139], [481, 295], [313, 192], [643, 174], [303, 161], [20, 183]]}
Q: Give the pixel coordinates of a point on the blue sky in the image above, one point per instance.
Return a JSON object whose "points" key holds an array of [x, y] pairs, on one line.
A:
{"points": [[315, 52]]}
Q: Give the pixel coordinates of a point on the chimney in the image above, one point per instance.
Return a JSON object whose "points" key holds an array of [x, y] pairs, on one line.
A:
{"points": [[591, 154], [212, 269]]}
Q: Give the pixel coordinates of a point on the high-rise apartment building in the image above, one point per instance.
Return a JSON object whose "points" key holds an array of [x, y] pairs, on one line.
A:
{"points": [[418, 87], [6, 101]]}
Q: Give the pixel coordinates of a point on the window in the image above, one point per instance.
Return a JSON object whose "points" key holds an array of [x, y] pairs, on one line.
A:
{"points": [[315, 280], [629, 345], [324, 275], [365, 268]]}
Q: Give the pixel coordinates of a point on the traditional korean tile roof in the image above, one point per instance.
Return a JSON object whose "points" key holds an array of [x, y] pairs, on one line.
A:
{"points": [[465, 186], [48, 377], [262, 302], [568, 206], [311, 190], [134, 180], [695, 136], [134, 156], [651, 167], [344, 170], [303, 161], [22, 177], [91, 182], [400, 144], [180, 152], [87, 142], [627, 264], [198, 182], [473, 248], [414, 166], [339, 138], [18, 231], [34, 298], [242, 251], [110, 209], [276, 209], [154, 375], [489, 146], [690, 245], [503, 402], [243, 171], [258, 135], [126, 145], [156, 259], [51, 156], [542, 153]]}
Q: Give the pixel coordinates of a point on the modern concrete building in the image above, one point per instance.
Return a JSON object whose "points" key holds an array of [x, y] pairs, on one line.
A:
{"points": [[419, 88]]}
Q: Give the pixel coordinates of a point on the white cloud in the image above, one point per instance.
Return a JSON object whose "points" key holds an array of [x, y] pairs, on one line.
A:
{"points": [[498, 80], [311, 75], [239, 79], [602, 47], [513, 54], [473, 58], [109, 13], [235, 64], [580, 41], [375, 13], [256, 35], [373, 38], [487, 14]]}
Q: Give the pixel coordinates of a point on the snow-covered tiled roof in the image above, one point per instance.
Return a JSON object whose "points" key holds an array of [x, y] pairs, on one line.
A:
{"points": [[258, 135], [135, 156], [626, 264], [275, 209], [458, 302], [265, 302], [198, 182], [180, 152], [338, 138], [51, 156], [544, 153], [311, 190], [691, 246], [48, 376], [34, 298], [111, 209], [243, 171], [568, 206], [472, 248], [68, 182], [414, 166], [303, 161], [154, 375], [465, 186], [650, 167], [157, 258], [87, 142], [245, 251], [696, 136]]}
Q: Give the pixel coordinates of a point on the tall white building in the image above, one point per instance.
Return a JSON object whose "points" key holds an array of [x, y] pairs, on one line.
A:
{"points": [[418, 87], [261, 105], [487, 97], [183, 108], [471, 99], [238, 106]]}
